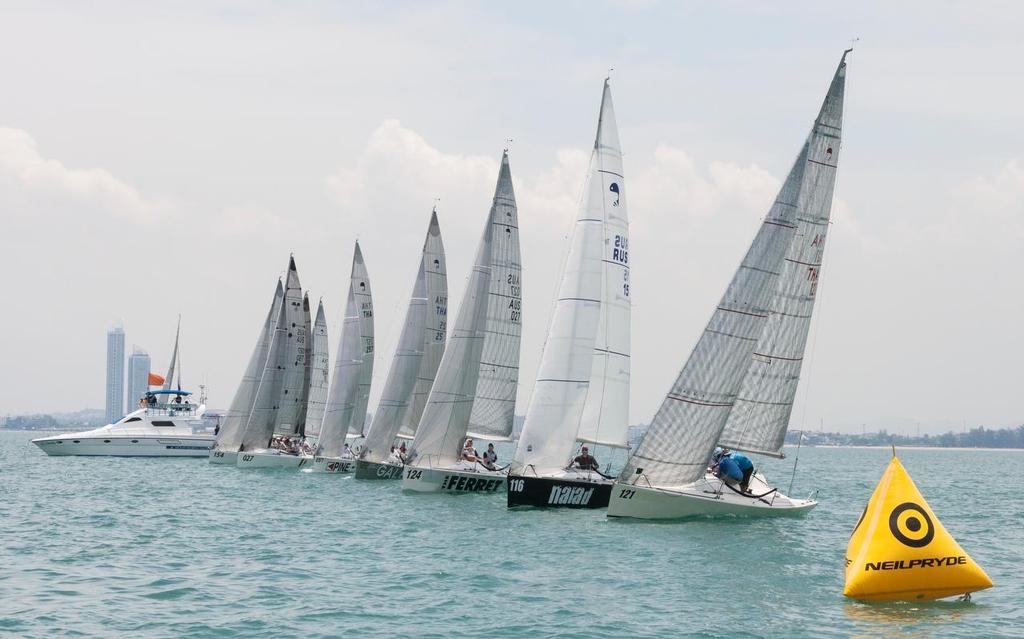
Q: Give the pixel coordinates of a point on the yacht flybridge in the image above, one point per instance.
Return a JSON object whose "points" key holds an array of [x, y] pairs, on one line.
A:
{"points": [[166, 427]]}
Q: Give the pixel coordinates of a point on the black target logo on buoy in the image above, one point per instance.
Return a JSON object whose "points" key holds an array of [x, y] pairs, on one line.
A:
{"points": [[911, 525]]}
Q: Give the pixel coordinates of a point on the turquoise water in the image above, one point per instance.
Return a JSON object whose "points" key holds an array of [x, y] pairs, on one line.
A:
{"points": [[94, 547]]}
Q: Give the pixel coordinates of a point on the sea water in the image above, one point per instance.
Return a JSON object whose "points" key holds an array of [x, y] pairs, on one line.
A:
{"points": [[101, 547]]}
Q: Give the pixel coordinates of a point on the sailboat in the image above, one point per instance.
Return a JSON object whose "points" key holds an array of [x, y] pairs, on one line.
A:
{"points": [[354, 355], [319, 368], [738, 385], [274, 424], [232, 429], [474, 394], [582, 388], [413, 366]]}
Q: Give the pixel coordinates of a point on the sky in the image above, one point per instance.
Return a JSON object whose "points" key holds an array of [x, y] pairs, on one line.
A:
{"points": [[159, 159]]}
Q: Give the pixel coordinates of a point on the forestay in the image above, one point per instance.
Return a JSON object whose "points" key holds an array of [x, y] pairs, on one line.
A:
{"points": [[435, 328], [229, 437], [319, 368], [364, 302], [582, 388], [760, 417], [495, 401], [294, 342], [446, 416], [393, 410]]}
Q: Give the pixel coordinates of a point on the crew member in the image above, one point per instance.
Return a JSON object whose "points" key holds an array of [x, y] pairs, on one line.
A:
{"points": [[585, 461], [468, 452], [490, 457], [746, 467]]}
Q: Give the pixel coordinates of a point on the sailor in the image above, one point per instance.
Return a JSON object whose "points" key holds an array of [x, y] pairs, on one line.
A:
{"points": [[468, 452], [177, 399], [401, 452], [348, 451], [726, 468], [151, 399], [746, 467], [585, 461], [490, 457]]}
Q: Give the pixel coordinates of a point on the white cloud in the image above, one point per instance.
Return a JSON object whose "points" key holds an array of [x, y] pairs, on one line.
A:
{"points": [[21, 161]]}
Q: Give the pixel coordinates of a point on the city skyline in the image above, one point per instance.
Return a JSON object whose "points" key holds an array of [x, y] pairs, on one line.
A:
{"points": [[115, 374]]}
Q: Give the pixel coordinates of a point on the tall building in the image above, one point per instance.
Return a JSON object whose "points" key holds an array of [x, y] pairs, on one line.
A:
{"points": [[115, 373], [138, 378]]}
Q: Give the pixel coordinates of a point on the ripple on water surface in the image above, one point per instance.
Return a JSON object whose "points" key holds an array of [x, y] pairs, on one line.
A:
{"points": [[181, 548]]}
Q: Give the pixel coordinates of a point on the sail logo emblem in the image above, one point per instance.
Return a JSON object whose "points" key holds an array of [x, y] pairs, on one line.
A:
{"points": [[906, 525], [614, 188]]}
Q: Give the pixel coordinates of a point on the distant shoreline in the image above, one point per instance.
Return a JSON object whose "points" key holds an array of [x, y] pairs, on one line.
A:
{"points": [[904, 447]]}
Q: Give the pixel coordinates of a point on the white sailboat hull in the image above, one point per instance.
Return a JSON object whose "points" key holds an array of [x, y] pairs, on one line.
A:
{"points": [[706, 497], [269, 459], [126, 446], [458, 479], [329, 464], [229, 458]]}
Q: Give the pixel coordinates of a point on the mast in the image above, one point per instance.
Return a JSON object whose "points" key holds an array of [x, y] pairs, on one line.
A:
{"points": [[498, 377], [317, 402], [446, 416], [677, 446], [760, 417], [307, 376], [407, 366], [294, 343], [582, 388], [341, 401], [364, 303]]}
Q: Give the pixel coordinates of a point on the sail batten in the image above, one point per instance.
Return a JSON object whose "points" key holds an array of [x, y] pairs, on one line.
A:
{"points": [[582, 387]]}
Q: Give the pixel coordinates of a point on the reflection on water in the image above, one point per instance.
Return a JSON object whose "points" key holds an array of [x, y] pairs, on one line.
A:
{"points": [[907, 619]]}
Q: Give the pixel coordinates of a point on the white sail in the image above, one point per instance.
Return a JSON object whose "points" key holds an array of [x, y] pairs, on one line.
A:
{"points": [[316, 405], [495, 402], [229, 437], [169, 380], [396, 401], [760, 417], [446, 416], [582, 388], [259, 427], [435, 327], [293, 356], [364, 302], [678, 443], [343, 396]]}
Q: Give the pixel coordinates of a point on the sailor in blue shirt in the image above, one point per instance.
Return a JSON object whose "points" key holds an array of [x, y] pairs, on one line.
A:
{"points": [[733, 468]]}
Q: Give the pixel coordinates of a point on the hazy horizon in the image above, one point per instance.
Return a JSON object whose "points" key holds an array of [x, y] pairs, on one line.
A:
{"points": [[157, 160]]}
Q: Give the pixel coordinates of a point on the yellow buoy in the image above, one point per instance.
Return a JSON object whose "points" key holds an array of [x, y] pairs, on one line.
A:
{"points": [[899, 550]]}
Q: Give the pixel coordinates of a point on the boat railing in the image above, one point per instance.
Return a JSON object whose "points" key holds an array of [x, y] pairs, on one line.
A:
{"points": [[172, 410]]}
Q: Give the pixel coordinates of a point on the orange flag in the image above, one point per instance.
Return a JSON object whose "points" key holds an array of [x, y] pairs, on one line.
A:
{"points": [[156, 380]]}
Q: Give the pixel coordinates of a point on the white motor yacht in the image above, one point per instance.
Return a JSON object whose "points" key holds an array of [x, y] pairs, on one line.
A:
{"points": [[165, 427]]}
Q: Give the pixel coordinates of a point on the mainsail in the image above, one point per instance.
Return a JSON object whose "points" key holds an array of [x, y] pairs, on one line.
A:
{"points": [[319, 369], [393, 410], [582, 388], [435, 327], [169, 380], [293, 356], [229, 437], [341, 401], [678, 444], [495, 402], [458, 386], [364, 302], [760, 417]]}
